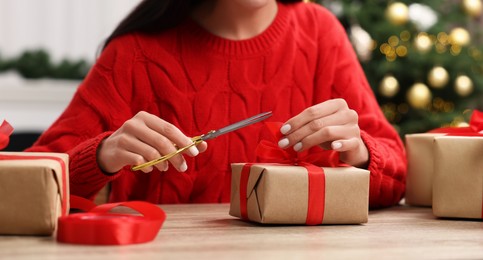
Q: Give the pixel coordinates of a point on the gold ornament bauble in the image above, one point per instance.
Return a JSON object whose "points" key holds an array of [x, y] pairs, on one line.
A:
{"points": [[459, 36], [472, 7], [419, 95], [463, 85], [422, 42], [438, 77], [397, 13], [389, 86]]}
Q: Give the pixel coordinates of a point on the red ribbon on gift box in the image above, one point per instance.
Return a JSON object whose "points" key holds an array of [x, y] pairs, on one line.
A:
{"points": [[475, 127], [270, 152]]}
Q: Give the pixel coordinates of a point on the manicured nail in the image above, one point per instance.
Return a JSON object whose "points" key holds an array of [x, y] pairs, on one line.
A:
{"points": [[282, 143], [194, 151], [336, 145], [166, 167], [183, 167], [285, 129], [147, 169], [297, 146]]}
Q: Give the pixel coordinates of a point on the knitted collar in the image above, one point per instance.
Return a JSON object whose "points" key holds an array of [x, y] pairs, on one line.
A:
{"points": [[201, 37]]}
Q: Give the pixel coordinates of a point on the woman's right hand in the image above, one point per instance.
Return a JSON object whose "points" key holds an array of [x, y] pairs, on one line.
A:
{"points": [[143, 138]]}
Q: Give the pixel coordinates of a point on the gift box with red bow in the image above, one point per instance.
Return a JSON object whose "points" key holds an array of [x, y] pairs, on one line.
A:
{"points": [[33, 188], [420, 150], [292, 188], [458, 171]]}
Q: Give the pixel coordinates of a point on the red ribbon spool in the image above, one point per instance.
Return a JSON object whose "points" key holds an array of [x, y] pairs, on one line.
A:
{"points": [[100, 227]]}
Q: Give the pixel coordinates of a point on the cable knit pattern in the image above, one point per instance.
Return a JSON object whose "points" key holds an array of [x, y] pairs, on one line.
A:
{"points": [[199, 82]]}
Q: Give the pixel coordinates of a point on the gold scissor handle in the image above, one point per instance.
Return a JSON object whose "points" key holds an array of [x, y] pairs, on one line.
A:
{"points": [[196, 140]]}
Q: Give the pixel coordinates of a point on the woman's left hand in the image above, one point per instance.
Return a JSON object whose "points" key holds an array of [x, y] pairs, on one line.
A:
{"points": [[330, 124]]}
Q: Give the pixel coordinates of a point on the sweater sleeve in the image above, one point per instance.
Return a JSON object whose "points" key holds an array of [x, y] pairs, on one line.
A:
{"points": [[99, 107], [340, 68]]}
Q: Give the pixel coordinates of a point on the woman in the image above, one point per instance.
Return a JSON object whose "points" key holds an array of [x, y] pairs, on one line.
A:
{"points": [[176, 69]]}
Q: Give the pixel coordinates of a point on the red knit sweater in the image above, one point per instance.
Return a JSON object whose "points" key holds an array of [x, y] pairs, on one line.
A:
{"points": [[199, 82]]}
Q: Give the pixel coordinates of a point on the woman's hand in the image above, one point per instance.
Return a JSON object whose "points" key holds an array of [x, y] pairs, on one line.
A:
{"points": [[330, 124], [143, 138]]}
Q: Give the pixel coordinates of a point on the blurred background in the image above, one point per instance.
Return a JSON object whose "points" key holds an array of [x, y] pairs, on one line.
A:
{"points": [[423, 59], [46, 49]]}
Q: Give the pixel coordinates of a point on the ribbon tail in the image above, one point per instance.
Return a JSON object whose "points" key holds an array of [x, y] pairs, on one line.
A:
{"points": [[476, 121], [5, 131]]}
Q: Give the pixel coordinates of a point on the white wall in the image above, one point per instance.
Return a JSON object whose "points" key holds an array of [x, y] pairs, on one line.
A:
{"points": [[33, 105], [66, 28]]}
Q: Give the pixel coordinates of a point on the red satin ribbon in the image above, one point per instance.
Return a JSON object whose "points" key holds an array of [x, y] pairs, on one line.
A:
{"points": [[475, 128], [316, 204], [5, 131], [269, 152], [100, 227]]}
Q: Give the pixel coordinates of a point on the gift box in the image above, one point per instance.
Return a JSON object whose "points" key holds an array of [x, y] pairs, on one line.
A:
{"points": [[285, 194], [420, 150], [419, 179], [34, 192], [458, 179]]}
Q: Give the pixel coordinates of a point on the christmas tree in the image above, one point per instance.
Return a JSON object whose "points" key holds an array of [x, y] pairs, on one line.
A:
{"points": [[424, 60]]}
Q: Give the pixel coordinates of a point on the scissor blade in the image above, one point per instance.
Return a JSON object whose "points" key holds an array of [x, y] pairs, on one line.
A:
{"points": [[237, 125]]}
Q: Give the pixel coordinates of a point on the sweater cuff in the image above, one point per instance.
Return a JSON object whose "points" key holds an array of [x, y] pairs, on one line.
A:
{"points": [[84, 168], [375, 155]]}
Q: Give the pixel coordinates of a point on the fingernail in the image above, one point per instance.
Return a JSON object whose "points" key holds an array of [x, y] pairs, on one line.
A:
{"points": [[297, 146], [336, 145], [282, 143], [194, 151], [147, 169], [166, 167], [183, 167], [285, 129]]}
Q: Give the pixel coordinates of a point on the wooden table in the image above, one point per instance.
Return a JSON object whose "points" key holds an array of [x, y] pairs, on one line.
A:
{"points": [[207, 232]]}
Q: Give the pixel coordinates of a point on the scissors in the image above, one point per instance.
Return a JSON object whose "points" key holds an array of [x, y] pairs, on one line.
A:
{"points": [[210, 135]]}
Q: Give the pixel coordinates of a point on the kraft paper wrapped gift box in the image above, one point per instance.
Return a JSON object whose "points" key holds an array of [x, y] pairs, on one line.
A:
{"points": [[419, 179], [34, 192], [278, 194], [458, 179]]}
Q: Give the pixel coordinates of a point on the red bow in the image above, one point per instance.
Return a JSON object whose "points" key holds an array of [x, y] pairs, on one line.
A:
{"points": [[476, 121], [5, 131], [270, 152], [475, 128]]}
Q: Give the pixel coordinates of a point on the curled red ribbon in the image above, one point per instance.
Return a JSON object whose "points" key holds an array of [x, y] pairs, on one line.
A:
{"points": [[100, 227], [5, 131], [270, 152], [475, 127]]}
